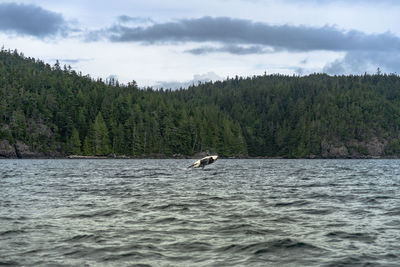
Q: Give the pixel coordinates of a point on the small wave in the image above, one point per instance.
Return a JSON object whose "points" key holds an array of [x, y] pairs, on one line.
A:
{"points": [[215, 198], [122, 256], [6, 175], [284, 219], [362, 260], [79, 251], [272, 246], [298, 172], [12, 232], [172, 206], [315, 195], [285, 244], [352, 236], [80, 238], [297, 203], [190, 246], [155, 175], [166, 220], [392, 223], [317, 211], [234, 228], [9, 263], [393, 212], [258, 232], [372, 200], [361, 211], [391, 256], [104, 213]]}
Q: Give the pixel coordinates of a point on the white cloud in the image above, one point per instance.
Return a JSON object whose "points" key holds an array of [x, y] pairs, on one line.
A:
{"points": [[170, 61], [197, 78]]}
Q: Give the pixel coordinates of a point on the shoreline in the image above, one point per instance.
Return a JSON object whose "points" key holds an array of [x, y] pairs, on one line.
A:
{"points": [[185, 157]]}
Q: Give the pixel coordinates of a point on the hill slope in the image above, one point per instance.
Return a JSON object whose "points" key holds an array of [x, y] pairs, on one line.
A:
{"points": [[320, 115], [54, 111]]}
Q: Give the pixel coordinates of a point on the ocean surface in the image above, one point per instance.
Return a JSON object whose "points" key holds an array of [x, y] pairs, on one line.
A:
{"points": [[232, 213]]}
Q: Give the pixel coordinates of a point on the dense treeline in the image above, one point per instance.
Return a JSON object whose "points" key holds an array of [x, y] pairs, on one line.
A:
{"points": [[53, 108], [301, 116]]}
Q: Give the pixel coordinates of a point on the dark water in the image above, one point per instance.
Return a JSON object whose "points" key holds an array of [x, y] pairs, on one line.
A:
{"points": [[233, 213]]}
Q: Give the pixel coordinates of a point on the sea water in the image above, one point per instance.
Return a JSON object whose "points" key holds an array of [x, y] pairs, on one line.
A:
{"points": [[274, 212]]}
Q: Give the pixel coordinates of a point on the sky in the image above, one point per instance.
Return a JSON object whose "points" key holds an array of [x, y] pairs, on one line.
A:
{"points": [[173, 43]]}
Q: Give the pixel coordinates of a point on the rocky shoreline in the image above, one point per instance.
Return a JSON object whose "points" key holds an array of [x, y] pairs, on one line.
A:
{"points": [[22, 151], [334, 150]]}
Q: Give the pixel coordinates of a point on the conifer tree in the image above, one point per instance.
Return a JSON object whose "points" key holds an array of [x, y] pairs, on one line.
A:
{"points": [[74, 143], [87, 146], [101, 140]]}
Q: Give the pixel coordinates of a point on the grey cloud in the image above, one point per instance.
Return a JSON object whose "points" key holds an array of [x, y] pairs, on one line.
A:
{"points": [[232, 49], [358, 62], [206, 77], [363, 51], [94, 36], [139, 20], [197, 78], [30, 20], [124, 18], [75, 60], [70, 61], [238, 31], [304, 61]]}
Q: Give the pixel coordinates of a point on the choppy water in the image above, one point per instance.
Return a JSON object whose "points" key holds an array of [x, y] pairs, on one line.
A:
{"points": [[233, 213]]}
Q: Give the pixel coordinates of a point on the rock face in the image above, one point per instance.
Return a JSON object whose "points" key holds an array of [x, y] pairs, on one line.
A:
{"points": [[353, 148], [21, 150], [376, 147], [7, 150], [331, 149]]}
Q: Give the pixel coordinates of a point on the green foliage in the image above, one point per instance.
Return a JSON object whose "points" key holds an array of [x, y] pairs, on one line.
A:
{"points": [[393, 148], [18, 124], [100, 138], [290, 116], [74, 143], [54, 108]]}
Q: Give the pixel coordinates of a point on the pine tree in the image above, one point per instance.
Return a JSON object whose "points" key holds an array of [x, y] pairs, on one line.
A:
{"points": [[88, 147], [101, 140], [18, 124], [74, 143]]}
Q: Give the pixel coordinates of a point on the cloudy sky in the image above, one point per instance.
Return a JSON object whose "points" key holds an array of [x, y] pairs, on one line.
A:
{"points": [[170, 42]]}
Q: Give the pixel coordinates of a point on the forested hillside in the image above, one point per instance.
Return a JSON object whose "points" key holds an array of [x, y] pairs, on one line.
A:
{"points": [[54, 111], [316, 115]]}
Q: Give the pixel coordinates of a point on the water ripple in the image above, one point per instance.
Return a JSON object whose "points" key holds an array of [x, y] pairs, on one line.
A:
{"points": [[234, 212]]}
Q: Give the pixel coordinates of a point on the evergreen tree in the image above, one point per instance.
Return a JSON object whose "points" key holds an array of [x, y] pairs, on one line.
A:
{"points": [[18, 124], [101, 140], [74, 143]]}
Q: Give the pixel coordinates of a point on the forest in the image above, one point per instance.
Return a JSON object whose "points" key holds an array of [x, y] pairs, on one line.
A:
{"points": [[54, 111]]}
